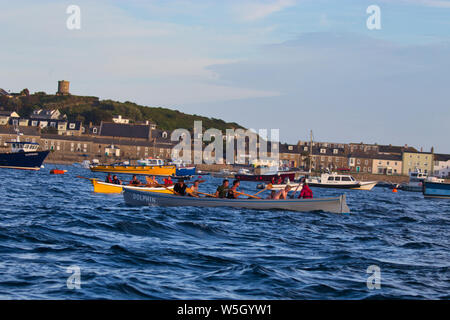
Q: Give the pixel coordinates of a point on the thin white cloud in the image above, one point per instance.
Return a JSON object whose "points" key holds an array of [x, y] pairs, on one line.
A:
{"points": [[252, 11], [429, 3]]}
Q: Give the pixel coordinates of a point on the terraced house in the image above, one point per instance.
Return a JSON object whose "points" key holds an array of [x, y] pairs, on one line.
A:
{"points": [[388, 164], [442, 165], [417, 161]]}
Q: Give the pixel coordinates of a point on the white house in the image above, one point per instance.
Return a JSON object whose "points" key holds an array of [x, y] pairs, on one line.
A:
{"points": [[119, 119], [441, 167], [6, 115]]}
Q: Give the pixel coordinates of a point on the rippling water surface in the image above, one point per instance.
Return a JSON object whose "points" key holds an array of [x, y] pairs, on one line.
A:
{"points": [[49, 223]]}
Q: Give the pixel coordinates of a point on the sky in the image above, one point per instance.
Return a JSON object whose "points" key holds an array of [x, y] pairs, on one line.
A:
{"points": [[293, 65]]}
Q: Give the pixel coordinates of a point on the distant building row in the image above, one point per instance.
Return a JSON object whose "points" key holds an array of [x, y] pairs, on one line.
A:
{"points": [[120, 138]]}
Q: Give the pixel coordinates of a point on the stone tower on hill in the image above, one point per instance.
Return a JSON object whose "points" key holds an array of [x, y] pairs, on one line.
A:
{"points": [[63, 88]]}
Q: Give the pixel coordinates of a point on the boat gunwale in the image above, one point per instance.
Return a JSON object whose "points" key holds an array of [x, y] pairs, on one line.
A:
{"points": [[210, 199]]}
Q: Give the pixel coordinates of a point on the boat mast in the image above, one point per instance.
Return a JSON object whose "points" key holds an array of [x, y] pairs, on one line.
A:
{"points": [[310, 152]]}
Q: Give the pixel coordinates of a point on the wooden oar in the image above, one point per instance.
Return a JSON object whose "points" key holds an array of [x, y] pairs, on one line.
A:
{"points": [[173, 191], [206, 194], [269, 187], [248, 195], [90, 179]]}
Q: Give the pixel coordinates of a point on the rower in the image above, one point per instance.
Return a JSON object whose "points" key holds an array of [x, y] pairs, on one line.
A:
{"points": [[193, 190], [108, 178], [168, 181], [222, 190], [116, 180], [282, 194], [231, 192], [306, 192], [151, 181], [135, 181], [180, 187], [272, 195]]}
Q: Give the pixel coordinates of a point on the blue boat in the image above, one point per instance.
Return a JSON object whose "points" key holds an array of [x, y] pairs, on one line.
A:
{"points": [[436, 190], [23, 155], [185, 171]]}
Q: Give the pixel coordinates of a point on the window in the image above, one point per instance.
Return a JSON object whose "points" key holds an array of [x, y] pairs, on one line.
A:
{"points": [[72, 126], [94, 130], [164, 135], [290, 148], [330, 178], [305, 148], [335, 151], [358, 161], [337, 179], [366, 162], [323, 150], [346, 179]]}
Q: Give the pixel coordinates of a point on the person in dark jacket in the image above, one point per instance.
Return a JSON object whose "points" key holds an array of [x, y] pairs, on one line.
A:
{"points": [[135, 181], [116, 180], [108, 178], [222, 190], [232, 191], [180, 187]]}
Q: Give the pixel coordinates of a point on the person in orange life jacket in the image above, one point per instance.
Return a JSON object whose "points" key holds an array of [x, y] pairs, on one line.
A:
{"points": [[306, 192], [108, 178]]}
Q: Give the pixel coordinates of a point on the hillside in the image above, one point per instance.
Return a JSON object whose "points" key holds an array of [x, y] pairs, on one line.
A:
{"points": [[91, 109]]}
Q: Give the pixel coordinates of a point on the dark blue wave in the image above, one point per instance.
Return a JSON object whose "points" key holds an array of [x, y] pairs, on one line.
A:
{"points": [[50, 223]]}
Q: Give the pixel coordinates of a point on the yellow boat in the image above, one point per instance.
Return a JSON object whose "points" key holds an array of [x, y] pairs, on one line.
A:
{"points": [[103, 187], [140, 170]]}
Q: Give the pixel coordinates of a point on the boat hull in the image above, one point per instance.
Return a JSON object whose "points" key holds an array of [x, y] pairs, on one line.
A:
{"points": [[140, 198], [185, 171], [436, 190], [23, 160], [366, 185], [140, 170], [278, 187], [334, 186], [265, 177], [110, 188]]}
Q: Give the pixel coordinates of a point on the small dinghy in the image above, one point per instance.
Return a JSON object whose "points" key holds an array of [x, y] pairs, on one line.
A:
{"points": [[57, 171]]}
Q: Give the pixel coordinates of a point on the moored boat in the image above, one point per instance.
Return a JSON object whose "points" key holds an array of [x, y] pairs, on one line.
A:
{"points": [[415, 184], [110, 188], [23, 155], [339, 181], [162, 170], [436, 190], [134, 197]]}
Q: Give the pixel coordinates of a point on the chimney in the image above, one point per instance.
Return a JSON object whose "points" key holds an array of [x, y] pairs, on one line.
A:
{"points": [[421, 149]]}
